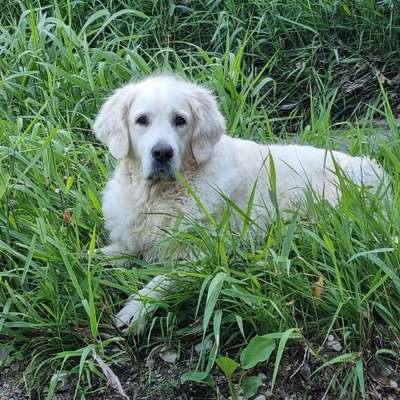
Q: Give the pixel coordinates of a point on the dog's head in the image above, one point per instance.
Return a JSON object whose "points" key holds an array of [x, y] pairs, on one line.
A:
{"points": [[163, 122]]}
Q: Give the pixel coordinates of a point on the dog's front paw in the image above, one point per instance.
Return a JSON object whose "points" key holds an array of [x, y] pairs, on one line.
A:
{"points": [[133, 313], [135, 310]]}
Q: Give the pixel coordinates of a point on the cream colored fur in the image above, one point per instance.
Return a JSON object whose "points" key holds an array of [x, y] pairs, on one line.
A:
{"points": [[136, 210]]}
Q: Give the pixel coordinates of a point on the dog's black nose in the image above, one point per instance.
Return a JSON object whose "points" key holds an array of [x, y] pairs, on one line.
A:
{"points": [[162, 152]]}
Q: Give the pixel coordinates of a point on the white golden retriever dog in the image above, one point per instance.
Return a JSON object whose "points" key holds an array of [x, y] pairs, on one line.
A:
{"points": [[164, 125]]}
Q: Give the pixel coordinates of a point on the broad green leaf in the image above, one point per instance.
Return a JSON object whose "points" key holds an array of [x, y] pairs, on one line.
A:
{"points": [[258, 350], [251, 385], [227, 365], [199, 377]]}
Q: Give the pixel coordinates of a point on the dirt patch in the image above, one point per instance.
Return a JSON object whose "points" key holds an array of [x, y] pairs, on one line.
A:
{"points": [[156, 380], [11, 385]]}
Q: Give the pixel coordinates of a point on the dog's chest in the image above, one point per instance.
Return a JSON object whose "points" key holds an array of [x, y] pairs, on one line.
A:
{"points": [[136, 215], [155, 209]]}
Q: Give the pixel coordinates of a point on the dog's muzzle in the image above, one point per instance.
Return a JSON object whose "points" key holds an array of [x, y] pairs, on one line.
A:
{"points": [[162, 155], [162, 171]]}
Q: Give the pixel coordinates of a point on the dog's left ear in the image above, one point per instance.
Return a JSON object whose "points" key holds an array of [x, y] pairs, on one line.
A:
{"points": [[209, 123], [111, 126]]}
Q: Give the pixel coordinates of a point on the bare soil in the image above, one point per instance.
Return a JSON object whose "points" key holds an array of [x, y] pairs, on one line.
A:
{"points": [[158, 380]]}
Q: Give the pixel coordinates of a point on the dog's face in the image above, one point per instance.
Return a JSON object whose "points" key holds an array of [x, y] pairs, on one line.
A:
{"points": [[163, 122], [161, 125]]}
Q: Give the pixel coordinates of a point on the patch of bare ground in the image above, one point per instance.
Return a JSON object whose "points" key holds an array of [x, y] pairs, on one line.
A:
{"points": [[156, 379]]}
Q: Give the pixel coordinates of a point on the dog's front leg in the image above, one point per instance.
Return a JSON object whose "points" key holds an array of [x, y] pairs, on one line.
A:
{"points": [[136, 308]]}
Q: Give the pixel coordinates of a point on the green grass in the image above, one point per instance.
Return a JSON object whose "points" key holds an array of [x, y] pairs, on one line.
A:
{"points": [[283, 70]]}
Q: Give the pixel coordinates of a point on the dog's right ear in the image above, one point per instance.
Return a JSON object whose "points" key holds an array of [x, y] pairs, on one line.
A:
{"points": [[111, 126]]}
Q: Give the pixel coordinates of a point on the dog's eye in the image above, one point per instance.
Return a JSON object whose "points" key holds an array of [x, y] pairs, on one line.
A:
{"points": [[179, 120], [142, 120]]}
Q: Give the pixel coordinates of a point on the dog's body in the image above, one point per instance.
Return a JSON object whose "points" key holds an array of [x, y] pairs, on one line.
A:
{"points": [[137, 212], [176, 126]]}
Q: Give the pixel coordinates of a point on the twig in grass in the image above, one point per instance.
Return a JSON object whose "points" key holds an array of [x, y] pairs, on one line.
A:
{"points": [[306, 352], [112, 379]]}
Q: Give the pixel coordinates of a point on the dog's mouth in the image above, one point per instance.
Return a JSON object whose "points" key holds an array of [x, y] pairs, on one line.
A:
{"points": [[161, 171]]}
